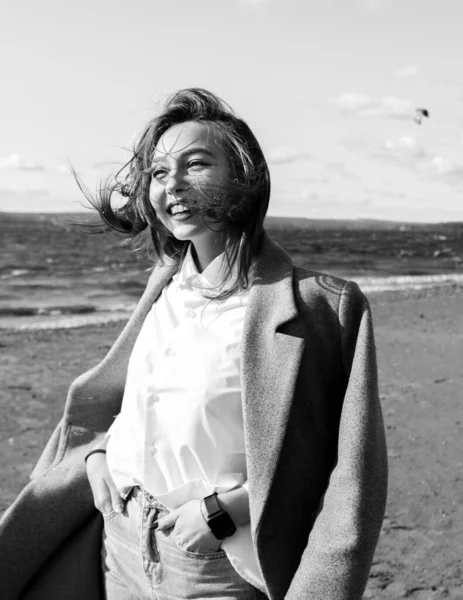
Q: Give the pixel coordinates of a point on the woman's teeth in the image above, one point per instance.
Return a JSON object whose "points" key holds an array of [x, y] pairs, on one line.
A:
{"points": [[179, 209]]}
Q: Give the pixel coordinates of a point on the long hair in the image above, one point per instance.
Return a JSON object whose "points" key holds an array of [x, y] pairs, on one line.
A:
{"points": [[240, 207]]}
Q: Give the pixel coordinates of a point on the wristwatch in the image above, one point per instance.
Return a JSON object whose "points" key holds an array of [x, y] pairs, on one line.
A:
{"points": [[219, 521]]}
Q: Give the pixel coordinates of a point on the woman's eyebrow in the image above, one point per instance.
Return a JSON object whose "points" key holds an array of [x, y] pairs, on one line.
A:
{"points": [[185, 153], [198, 149]]}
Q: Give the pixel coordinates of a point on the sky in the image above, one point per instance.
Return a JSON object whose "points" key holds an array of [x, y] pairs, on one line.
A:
{"points": [[329, 87]]}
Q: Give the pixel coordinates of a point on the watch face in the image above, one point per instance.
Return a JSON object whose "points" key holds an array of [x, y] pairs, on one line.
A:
{"points": [[222, 526]]}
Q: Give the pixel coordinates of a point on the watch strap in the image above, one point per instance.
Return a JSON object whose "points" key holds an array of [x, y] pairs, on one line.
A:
{"points": [[218, 520], [212, 506]]}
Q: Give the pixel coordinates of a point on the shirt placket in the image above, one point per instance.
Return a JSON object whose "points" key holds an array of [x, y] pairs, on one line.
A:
{"points": [[163, 359]]}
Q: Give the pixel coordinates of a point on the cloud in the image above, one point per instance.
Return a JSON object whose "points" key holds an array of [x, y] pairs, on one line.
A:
{"points": [[447, 168], [20, 163], [29, 189], [254, 2], [397, 108], [387, 106], [407, 71], [285, 155], [62, 169], [353, 102], [30, 198], [403, 151], [375, 5], [36, 199], [98, 164], [341, 169], [406, 152], [391, 171], [404, 146]]}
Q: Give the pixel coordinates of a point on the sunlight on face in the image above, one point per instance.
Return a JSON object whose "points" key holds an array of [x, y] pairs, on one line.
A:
{"points": [[187, 163]]}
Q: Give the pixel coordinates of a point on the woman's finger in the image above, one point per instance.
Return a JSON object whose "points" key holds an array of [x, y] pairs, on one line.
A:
{"points": [[116, 500], [166, 522], [102, 498], [105, 494]]}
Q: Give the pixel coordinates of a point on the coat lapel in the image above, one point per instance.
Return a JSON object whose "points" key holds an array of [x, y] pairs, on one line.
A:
{"points": [[270, 364]]}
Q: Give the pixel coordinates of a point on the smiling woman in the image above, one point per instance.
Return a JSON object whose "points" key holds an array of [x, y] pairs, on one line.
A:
{"points": [[247, 456], [229, 192]]}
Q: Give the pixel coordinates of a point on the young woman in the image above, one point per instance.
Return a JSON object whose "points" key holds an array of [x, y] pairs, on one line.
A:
{"points": [[247, 456]]}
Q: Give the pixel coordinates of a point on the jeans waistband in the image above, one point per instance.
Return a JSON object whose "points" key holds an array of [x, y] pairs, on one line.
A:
{"points": [[143, 497]]}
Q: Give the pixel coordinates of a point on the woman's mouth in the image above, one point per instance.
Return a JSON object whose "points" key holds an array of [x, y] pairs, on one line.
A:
{"points": [[179, 212]]}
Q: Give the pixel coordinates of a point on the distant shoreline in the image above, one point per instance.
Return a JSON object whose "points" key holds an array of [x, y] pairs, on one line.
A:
{"points": [[270, 220]]}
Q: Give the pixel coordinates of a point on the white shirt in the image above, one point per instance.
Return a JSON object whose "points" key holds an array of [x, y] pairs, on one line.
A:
{"points": [[180, 430]]}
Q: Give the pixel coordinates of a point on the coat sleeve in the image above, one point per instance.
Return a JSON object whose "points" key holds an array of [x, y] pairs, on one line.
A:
{"points": [[336, 562]]}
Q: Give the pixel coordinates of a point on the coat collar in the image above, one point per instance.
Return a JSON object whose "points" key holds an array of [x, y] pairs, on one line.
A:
{"points": [[273, 281], [271, 299]]}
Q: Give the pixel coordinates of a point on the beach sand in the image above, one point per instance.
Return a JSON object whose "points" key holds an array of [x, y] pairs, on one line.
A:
{"points": [[420, 348]]}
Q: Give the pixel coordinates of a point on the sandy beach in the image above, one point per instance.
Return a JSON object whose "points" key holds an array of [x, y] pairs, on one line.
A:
{"points": [[419, 338]]}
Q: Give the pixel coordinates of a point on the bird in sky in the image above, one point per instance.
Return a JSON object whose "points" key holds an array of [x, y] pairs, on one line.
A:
{"points": [[420, 113]]}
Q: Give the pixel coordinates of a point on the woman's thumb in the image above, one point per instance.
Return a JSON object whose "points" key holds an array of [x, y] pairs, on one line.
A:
{"points": [[117, 501]]}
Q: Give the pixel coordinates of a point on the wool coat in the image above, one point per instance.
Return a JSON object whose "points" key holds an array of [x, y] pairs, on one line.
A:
{"points": [[314, 436]]}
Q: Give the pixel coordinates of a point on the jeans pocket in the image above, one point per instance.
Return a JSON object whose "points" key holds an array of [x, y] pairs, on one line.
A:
{"points": [[213, 554]]}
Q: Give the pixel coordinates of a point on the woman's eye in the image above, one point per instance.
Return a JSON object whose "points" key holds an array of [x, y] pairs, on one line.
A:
{"points": [[159, 173], [198, 163]]}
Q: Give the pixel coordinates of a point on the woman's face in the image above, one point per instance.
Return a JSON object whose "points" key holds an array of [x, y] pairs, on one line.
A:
{"points": [[187, 163]]}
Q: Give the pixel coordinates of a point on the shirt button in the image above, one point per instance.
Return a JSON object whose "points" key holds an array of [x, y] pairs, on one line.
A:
{"points": [[191, 313], [153, 448], [170, 352], [154, 397]]}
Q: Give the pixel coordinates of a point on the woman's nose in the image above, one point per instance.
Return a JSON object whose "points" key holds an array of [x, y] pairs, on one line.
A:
{"points": [[175, 183]]}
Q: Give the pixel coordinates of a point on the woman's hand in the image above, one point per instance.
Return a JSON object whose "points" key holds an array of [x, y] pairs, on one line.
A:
{"points": [[105, 494], [190, 529]]}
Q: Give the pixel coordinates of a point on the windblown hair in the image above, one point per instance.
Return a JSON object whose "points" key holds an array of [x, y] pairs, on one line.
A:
{"points": [[240, 207]]}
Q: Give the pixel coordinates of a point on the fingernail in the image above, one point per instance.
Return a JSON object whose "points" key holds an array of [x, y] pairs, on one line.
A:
{"points": [[154, 525]]}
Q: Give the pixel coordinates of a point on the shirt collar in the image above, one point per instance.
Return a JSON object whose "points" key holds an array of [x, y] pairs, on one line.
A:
{"points": [[212, 276]]}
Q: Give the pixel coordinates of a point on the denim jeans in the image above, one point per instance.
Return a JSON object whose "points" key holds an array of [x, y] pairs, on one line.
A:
{"points": [[140, 563]]}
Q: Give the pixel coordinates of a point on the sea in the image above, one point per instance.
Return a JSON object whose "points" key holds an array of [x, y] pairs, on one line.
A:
{"points": [[56, 275]]}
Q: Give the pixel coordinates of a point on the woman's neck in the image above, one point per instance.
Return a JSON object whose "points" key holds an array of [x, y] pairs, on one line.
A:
{"points": [[203, 256]]}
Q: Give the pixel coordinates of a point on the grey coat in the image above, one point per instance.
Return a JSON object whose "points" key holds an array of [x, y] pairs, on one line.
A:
{"points": [[315, 446]]}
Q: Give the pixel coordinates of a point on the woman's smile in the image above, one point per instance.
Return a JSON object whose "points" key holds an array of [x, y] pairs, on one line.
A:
{"points": [[178, 210]]}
